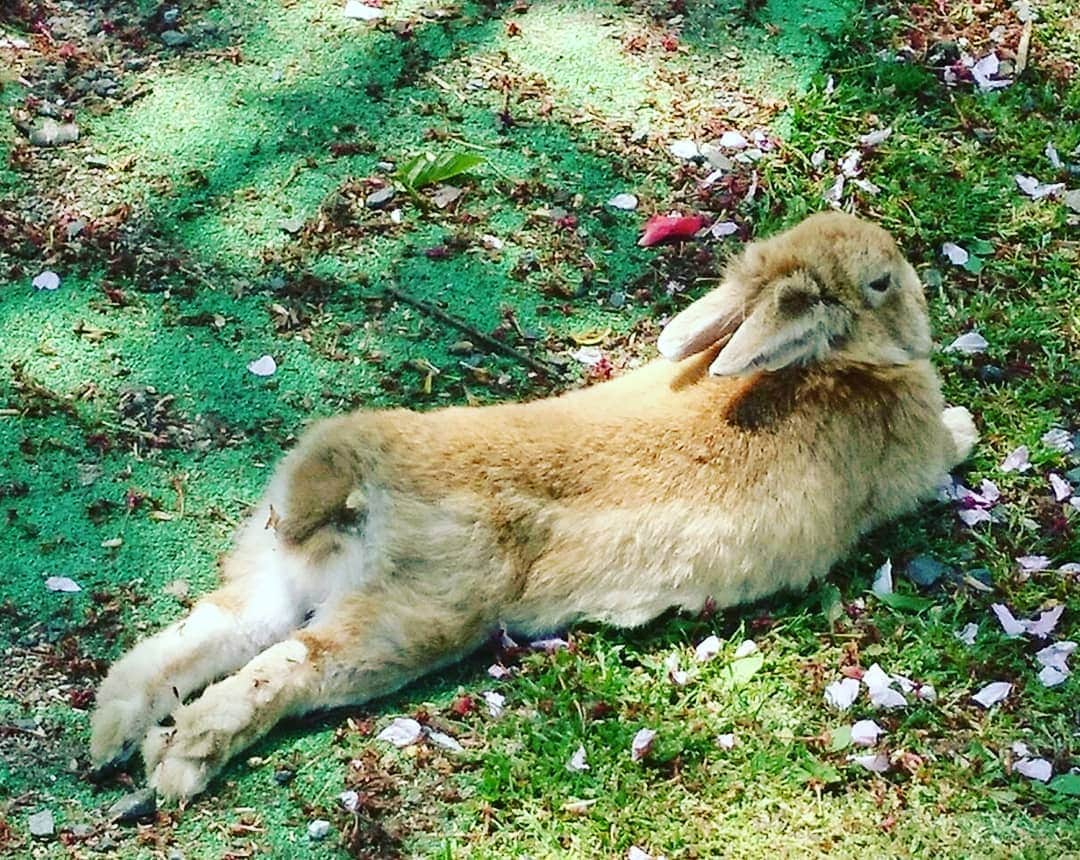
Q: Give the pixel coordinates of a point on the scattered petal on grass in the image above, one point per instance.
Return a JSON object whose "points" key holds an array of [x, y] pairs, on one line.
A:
{"points": [[361, 11], [873, 138], [992, 693], [1051, 153], [1009, 623], [1051, 677], [1072, 199], [865, 733], [969, 343], [879, 684], [264, 366], [445, 741], [968, 633], [577, 760], [984, 72], [707, 649], [1017, 461], [835, 194], [733, 140], [723, 228], [850, 164], [46, 281], [641, 744], [1044, 625], [664, 228], [883, 583], [726, 741], [1035, 768], [626, 202], [549, 645], [1055, 655], [402, 732], [498, 672], [1033, 563], [926, 693], [957, 255], [841, 694], [818, 158], [636, 853], [590, 356], [318, 829], [62, 583], [1020, 750], [1058, 440], [1038, 190], [973, 516], [875, 762], [349, 800], [745, 649], [678, 677], [867, 186], [495, 702], [687, 150]]}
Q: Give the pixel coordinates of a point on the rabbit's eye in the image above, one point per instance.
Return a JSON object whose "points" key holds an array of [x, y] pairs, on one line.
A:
{"points": [[880, 285]]}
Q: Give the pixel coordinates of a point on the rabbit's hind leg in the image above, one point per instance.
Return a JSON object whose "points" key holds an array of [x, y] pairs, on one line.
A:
{"points": [[225, 629], [363, 647]]}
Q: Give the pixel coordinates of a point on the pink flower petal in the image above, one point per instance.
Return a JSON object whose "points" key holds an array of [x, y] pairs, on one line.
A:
{"points": [[495, 702], [866, 732], [46, 281], [992, 693], [883, 582], [1059, 440], [970, 343], [725, 742], [957, 255], [1055, 655], [875, 762], [642, 744], [577, 760], [665, 228], [264, 366], [402, 732], [1033, 563], [1009, 622], [841, 694], [1035, 768], [1051, 677], [62, 583], [707, 649], [1044, 625], [1017, 461]]}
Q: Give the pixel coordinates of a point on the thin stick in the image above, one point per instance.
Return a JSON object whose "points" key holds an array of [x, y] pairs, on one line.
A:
{"points": [[1023, 48], [491, 343]]}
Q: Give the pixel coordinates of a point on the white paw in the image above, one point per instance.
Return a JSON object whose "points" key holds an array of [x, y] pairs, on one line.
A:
{"points": [[179, 766], [115, 729], [961, 425]]}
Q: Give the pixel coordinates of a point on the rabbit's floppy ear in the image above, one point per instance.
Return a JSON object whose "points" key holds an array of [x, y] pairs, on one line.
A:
{"points": [[706, 322], [769, 339]]}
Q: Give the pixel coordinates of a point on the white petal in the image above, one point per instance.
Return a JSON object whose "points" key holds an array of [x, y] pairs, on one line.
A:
{"points": [[849, 164], [957, 255], [441, 739], [968, 633], [873, 138], [62, 583], [725, 742], [1009, 622], [687, 150], [876, 678], [401, 732], [590, 356], [1017, 461], [733, 140], [1033, 563], [1044, 625], [265, 366], [745, 649], [874, 762], [866, 732], [678, 677], [350, 800], [549, 645], [1051, 677], [46, 281], [836, 191], [626, 202], [818, 158], [1051, 153], [495, 703], [973, 516], [969, 343], [841, 694], [1020, 749], [577, 760], [498, 672], [641, 744], [883, 583], [1037, 190], [989, 491], [886, 697], [992, 693], [361, 11], [926, 693], [1035, 768], [1055, 655], [707, 649], [1059, 440], [723, 228], [867, 186]]}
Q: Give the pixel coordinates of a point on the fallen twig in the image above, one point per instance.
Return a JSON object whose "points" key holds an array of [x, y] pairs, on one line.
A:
{"points": [[478, 336]]}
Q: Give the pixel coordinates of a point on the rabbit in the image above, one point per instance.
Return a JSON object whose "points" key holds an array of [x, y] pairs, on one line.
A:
{"points": [[793, 409]]}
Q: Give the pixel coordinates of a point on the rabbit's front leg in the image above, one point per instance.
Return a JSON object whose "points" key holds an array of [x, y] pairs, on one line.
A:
{"points": [[224, 630], [360, 649]]}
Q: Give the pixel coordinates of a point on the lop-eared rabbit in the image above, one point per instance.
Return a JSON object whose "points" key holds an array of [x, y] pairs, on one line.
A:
{"points": [[794, 409]]}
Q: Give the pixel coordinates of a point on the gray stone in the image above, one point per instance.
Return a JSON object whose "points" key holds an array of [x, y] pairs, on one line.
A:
{"points": [[41, 824], [318, 829], [925, 571], [175, 39], [137, 806], [378, 199]]}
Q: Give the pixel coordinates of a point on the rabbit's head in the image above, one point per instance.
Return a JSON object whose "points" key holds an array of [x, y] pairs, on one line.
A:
{"points": [[832, 288]]}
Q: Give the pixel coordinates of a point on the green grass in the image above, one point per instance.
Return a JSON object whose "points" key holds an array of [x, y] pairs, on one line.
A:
{"points": [[193, 281]]}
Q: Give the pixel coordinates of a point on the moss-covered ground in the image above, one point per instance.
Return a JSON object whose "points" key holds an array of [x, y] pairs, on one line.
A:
{"points": [[215, 210]]}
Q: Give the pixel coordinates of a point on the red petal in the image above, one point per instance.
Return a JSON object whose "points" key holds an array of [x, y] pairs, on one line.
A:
{"points": [[663, 228]]}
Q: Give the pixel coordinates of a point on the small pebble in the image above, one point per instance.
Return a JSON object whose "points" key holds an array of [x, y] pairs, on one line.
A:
{"points": [[318, 829], [41, 824], [925, 571], [284, 776], [137, 806]]}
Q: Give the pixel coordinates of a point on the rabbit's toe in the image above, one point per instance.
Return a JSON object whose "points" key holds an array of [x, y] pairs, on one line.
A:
{"points": [[115, 728], [961, 426]]}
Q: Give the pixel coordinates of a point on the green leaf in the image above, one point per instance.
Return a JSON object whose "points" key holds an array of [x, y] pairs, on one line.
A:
{"points": [[980, 246], [738, 672], [831, 606], [974, 264], [1066, 783], [428, 169], [840, 739], [906, 601]]}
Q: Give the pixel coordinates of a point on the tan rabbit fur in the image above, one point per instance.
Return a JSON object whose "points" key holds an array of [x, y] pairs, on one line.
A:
{"points": [[796, 409]]}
